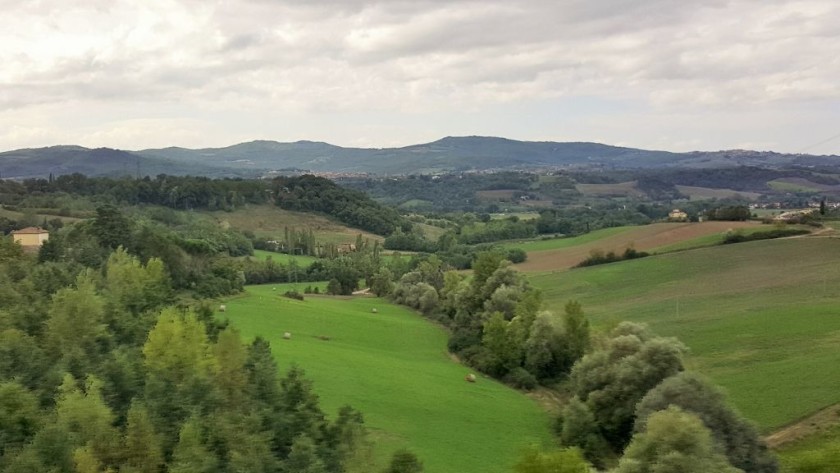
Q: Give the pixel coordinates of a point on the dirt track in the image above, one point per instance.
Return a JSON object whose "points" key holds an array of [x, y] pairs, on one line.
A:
{"points": [[813, 424], [642, 238]]}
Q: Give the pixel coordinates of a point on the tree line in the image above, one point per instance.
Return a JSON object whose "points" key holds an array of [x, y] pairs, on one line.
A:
{"points": [[303, 193]]}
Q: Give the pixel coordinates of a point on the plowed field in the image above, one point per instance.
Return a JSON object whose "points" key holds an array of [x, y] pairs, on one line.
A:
{"points": [[643, 238]]}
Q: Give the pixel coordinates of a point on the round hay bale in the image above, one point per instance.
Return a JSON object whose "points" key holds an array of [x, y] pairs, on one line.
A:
{"points": [[374, 310], [470, 378], [222, 308], [287, 336]]}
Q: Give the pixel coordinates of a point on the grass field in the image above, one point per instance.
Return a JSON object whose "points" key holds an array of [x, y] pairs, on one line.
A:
{"points": [[822, 449], [795, 185], [283, 258], [760, 318], [269, 221], [393, 366]]}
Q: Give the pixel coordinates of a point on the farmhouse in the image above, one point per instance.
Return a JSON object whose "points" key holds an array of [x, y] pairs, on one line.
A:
{"points": [[347, 248], [677, 215], [31, 237]]}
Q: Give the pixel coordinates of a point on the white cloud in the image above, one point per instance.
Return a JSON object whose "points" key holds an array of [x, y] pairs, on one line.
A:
{"points": [[179, 71]]}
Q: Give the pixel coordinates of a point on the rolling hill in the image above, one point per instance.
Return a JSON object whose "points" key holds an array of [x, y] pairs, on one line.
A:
{"points": [[58, 160], [474, 153], [759, 318]]}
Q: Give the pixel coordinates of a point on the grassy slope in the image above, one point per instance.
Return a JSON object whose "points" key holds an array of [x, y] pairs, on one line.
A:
{"points": [[823, 447], [760, 318], [269, 221], [394, 367]]}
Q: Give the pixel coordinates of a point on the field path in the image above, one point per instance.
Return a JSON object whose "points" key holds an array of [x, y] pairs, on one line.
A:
{"points": [[643, 238], [825, 418]]}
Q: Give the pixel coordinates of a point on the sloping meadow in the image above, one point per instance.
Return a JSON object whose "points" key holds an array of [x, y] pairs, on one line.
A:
{"points": [[393, 366]]}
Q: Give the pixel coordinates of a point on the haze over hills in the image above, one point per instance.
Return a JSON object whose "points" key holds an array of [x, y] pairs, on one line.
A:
{"points": [[473, 153]]}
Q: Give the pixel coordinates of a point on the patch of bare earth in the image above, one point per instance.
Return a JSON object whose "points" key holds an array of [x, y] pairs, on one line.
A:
{"points": [[642, 238], [548, 399], [824, 419]]}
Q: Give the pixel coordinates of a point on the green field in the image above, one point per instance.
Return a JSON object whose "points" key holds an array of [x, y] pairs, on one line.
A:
{"points": [[283, 258], [803, 186], [760, 318], [560, 243], [393, 366]]}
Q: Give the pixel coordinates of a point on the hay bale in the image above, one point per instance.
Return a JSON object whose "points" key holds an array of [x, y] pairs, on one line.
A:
{"points": [[470, 378], [222, 308], [374, 310], [287, 336]]}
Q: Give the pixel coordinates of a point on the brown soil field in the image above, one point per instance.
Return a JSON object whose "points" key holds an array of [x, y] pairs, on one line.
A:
{"points": [[642, 238], [700, 193]]}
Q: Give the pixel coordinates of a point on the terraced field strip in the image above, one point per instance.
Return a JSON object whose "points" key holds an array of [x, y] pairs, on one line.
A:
{"points": [[565, 253], [393, 365], [760, 318]]}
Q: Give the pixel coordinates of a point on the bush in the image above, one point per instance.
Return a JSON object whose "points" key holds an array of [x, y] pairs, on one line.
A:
{"points": [[516, 255], [293, 295], [599, 257], [737, 237], [521, 379]]}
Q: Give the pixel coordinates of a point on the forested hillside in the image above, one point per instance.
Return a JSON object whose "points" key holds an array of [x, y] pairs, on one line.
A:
{"points": [[100, 370]]}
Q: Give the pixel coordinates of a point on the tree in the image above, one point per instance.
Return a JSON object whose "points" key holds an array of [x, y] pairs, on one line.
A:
{"points": [[141, 450], [180, 369], [75, 332], [506, 355], [575, 331], [231, 378], [578, 428], [673, 442], [19, 416], [85, 416], [569, 460], [191, 455], [544, 356], [111, 227], [693, 394], [303, 457], [382, 283], [611, 381], [404, 461]]}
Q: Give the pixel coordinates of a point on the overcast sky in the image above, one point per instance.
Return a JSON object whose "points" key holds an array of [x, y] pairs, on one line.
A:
{"points": [[664, 74]]}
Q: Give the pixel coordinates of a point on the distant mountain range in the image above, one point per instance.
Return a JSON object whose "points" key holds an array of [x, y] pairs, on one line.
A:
{"points": [[451, 154]]}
